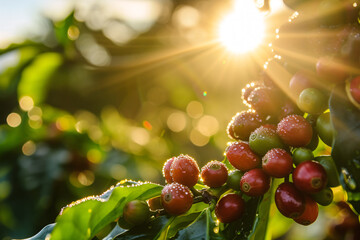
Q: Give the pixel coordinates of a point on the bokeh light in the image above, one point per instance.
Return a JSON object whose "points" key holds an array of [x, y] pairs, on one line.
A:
{"points": [[29, 148], [176, 121], [13, 120], [26, 103], [140, 136], [207, 125], [195, 109], [198, 139]]}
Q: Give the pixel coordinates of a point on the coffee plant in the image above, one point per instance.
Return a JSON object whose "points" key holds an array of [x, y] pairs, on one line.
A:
{"points": [[308, 95]]}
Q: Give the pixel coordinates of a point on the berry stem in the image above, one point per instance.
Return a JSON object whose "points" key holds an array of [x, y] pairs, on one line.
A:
{"points": [[287, 179], [198, 199], [157, 213], [195, 192], [212, 204]]}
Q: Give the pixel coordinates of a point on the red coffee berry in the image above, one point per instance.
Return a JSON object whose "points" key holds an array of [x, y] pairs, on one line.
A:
{"points": [[255, 182], [166, 170], [300, 81], [242, 157], [248, 89], [230, 131], [331, 70], [310, 213], [269, 126], [242, 124], [288, 108], [310, 177], [229, 208], [289, 200], [355, 88], [295, 131], [214, 174], [185, 170], [264, 100], [136, 212], [176, 198], [277, 163]]}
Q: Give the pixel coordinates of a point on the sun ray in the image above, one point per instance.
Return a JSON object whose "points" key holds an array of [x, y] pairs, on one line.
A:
{"points": [[129, 67]]}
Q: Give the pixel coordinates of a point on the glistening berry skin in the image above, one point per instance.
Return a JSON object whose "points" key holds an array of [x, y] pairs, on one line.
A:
{"points": [[255, 182], [166, 170], [245, 92], [185, 170], [264, 138], [277, 163], [289, 200], [295, 131], [310, 177], [242, 124], [242, 157], [310, 213], [176, 198], [214, 174], [299, 82], [229, 208], [264, 100], [288, 108]]}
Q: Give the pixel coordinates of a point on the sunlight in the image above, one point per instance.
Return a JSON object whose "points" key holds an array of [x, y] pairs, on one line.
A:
{"points": [[243, 29]]}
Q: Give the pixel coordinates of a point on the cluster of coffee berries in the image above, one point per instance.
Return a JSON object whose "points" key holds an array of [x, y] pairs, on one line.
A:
{"points": [[276, 137], [327, 55], [275, 140], [181, 173]]}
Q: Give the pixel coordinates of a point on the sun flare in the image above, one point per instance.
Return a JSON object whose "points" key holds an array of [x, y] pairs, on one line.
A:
{"points": [[243, 29]]}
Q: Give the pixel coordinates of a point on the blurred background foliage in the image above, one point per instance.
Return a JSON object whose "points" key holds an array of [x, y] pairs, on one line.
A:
{"points": [[107, 90]]}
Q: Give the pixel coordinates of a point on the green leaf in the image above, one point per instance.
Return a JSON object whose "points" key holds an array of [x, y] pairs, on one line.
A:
{"points": [[202, 228], [43, 233], [26, 44], [177, 223], [148, 231], [262, 217], [345, 150], [115, 232], [11, 76], [86, 217], [35, 77], [61, 29], [228, 164]]}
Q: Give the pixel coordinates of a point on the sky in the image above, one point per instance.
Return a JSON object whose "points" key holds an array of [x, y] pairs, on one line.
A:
{"points": [[21, 18]]}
